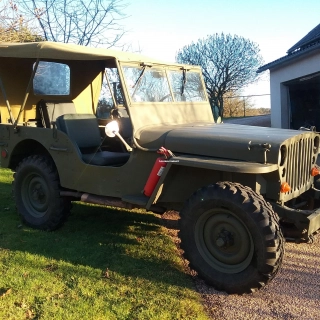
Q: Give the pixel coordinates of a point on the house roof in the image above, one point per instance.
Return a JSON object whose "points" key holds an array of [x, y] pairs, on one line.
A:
{"points": [[307, 44], [311, 37]]}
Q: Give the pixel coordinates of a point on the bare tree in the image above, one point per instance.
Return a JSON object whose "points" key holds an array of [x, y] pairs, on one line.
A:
{"points": [[228, 62], [236, 105], [83, 22], [13, 26]]}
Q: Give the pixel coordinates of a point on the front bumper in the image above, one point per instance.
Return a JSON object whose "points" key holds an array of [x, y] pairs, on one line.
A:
{"points": [[299, 224]]}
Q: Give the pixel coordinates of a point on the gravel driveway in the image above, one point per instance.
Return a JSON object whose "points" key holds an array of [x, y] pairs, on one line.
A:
{"points": [[262, 121], [293, 294]]}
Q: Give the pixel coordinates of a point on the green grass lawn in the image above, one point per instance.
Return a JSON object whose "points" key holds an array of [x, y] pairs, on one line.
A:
{"points": [[102, 264]]}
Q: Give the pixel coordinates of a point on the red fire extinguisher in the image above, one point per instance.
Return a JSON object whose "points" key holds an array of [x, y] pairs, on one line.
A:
{"points": [[156, 171]]}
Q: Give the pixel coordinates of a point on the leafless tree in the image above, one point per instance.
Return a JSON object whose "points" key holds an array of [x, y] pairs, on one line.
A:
{"points": [[228, 62], [236, 106], [13, 26], [84, 22]]}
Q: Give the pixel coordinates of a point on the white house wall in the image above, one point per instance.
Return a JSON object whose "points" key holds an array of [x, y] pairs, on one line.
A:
{"points": [[279, 91]]}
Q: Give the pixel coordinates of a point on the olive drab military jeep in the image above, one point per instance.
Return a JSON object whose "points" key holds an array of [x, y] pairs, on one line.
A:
{"points": [[84, 124]]}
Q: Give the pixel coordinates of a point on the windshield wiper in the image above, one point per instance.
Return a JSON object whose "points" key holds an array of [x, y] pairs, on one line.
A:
{"points": [[184, 80], [135, 86], [140, 76], [141, 73]]}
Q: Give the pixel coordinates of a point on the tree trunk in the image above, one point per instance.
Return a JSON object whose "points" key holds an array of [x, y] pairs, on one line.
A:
{"points": [[221, 107]]}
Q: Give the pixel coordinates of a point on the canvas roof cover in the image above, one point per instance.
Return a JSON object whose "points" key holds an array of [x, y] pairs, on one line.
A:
{"points": [[67, 51]]}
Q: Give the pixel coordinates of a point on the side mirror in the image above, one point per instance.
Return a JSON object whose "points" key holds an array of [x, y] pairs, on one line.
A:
{"points": [[112, 130]]}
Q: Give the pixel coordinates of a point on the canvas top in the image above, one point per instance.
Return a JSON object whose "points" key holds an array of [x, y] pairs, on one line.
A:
{"points": [[67, 51]]}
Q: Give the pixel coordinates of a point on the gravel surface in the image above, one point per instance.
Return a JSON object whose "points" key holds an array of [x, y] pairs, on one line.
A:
{"points": [[293, 294]]}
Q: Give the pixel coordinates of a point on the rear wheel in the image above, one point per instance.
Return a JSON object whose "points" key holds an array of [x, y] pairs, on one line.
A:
{"points": [[231, 237], [36, 189]]}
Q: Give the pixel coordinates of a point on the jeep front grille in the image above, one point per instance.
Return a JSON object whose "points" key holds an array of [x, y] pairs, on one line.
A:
{"points": [[300, 156]]}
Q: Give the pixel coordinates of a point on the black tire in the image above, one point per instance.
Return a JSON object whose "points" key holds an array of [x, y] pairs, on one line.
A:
{"points": [[36, 190], [231, 237]]}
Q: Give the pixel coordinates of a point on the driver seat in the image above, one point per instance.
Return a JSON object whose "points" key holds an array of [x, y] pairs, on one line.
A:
{"points": [[83, 130]]}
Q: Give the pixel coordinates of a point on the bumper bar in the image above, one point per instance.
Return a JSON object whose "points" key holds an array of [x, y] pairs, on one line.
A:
{"points": [[297, 223]]}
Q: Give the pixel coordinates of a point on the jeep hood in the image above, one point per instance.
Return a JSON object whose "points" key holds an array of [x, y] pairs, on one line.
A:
{"points": [[229, 141]]}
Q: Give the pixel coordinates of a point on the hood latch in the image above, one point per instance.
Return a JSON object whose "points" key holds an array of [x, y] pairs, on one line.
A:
{"points": [[265, 147]]}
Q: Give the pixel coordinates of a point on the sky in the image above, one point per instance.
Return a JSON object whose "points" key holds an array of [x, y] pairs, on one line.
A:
{"points": [[160, 28]]}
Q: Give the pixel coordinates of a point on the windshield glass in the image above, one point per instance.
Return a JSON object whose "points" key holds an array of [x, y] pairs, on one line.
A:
{"points": [[153, 84], [189, 88], [147, 84]]}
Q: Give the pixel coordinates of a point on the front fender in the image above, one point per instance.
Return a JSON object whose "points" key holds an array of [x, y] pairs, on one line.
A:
{"points": [[184, 174]]}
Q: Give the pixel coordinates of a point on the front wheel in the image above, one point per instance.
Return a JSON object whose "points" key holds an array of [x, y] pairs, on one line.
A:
{"points": [[231, 237], [36, 190]]}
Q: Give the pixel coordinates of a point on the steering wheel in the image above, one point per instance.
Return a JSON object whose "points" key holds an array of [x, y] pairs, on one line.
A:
{"points": [[169, 95], [115, 113]]}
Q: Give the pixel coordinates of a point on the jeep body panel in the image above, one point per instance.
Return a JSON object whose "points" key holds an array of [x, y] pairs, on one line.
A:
{"points": [[221, 140], [113, 181], [73, 172], [244, 143]]}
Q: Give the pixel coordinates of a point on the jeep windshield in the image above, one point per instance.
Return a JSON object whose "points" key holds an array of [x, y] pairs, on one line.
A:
{"points": [[147, 83]]}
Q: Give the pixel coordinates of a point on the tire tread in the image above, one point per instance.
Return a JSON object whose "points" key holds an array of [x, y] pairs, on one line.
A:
{"points": [[264, 218], [62, 206]]}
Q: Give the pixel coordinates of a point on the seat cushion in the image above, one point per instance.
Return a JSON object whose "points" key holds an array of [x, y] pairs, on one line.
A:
{"points": [[83, 129], [106, 158]]}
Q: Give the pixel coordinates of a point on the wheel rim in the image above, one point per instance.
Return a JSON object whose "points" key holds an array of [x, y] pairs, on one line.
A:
{"points": [[224, 241], [35, 195]]}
